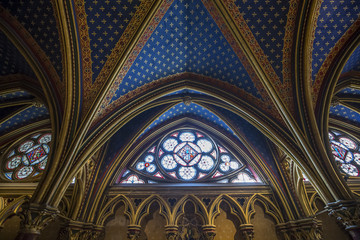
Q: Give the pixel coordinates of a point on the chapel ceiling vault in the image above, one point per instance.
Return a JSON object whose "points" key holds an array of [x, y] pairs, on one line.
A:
{"points": [[263, 72]]}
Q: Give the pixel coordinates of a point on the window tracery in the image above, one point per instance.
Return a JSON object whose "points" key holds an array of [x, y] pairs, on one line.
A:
{"points": [[187, 155], [27, 159], [346, 152]]}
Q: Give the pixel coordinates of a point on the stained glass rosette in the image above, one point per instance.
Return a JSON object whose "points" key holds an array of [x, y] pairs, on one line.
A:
{"points": [[28, 159], [186, 156], [346, 152]]}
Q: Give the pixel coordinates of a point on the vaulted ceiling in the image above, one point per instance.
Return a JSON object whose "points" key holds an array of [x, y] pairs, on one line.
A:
{"points": [[99, 71]]}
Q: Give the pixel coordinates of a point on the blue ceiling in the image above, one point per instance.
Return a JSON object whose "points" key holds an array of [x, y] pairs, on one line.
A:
{"points": [[107, 20], [345, 114], [26, 113], [253, 136], [14, 96], [335, 18], [193, 110], [38, 19], [349, 92], [267, 20], [11, 60], [25, 117], [353, 63], [186, 40]]}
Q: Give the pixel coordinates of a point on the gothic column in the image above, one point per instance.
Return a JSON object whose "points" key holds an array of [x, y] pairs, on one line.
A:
{"points": [[247, 231], [34, 218], [348, 214], [209, 231], [302, 229], [172, 232], [133, 232]]}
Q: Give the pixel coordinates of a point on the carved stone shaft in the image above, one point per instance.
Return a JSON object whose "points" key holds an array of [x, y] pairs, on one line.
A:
{"points": [[303, 229]]}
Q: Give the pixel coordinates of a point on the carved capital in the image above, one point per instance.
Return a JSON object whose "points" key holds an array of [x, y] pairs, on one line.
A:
{"points": [[247, 231], [209, 232], [80, 231], [172, 232], [302, 229], [133, 232], [346, 212], [34, 218]]}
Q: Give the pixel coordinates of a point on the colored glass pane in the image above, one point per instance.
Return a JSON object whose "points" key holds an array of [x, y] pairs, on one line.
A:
{"points": [[184, 156], [346, 152], [27, 159]]}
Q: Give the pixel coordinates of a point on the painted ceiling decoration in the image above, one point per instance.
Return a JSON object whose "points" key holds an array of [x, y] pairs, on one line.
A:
{"points": [[37, 17], [338, 22], [195, 44], [106, 30], [12, 62], [187, 155], [353, 64], [191, 110], [335, 18], [115, 93], [19, 109]]}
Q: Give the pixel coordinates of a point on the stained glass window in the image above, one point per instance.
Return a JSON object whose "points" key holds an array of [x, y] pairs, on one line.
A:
{"points": [[346, 152], [187, 156], [27, 159]]}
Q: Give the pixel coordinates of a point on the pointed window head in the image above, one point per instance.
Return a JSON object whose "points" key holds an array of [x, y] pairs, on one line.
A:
{"points": [[187, 155]]}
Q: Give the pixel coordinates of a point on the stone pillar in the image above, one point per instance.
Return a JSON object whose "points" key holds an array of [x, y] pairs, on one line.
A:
{"points": [[247, 231], [172, 232], [302, 229], [34, 218], [133, 232], [209, 231], [348, 214]]}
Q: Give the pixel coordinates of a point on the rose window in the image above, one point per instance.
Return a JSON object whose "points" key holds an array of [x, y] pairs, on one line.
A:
{"points": [[186, 156], [28, 159]]}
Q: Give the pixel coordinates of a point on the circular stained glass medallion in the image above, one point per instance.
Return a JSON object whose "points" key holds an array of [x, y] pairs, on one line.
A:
{"points": [[27, 159]]}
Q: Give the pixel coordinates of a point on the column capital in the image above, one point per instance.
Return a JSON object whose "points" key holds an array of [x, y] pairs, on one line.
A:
{"points": [[35, 217], [133, 232], [301, 229], [247, 231], [209, 231], [347, 212], [172, 232]]}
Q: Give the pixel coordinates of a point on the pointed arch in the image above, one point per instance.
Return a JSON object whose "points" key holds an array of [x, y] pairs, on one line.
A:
{"points": [[235, 208], [13, 208], [269, 207], [110, 207], [200, 209], [144, 209]]}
